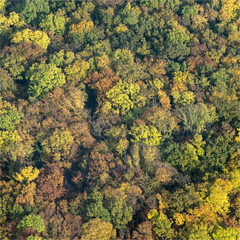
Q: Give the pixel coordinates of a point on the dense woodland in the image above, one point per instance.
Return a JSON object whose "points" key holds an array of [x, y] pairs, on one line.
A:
{"points": [[120, 119]]}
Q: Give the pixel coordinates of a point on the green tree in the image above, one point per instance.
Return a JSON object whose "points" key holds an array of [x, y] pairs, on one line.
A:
{"points": [[10, 116], [145, 134], [33, 221], [123, 57], [198, 232], [195, 118], [177, 38], [161, 223], [230, 233], [58, 145], [121, 214], [43, 78], [31, 10], [123, 97], [17, 58], [95, 207], [54, 23]]}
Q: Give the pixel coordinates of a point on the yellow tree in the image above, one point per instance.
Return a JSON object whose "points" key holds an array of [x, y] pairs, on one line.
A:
{"points": [[30, 36], [97, 229], [27, 174]]}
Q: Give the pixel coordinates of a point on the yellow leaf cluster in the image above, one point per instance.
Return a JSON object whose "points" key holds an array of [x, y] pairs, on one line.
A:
{"points": [[153, 214], [30, 36], [237, 138], [82, 27], [179, 219], [230, 10], [9, 22], [27, 174], [8, 137], [121, 28]]}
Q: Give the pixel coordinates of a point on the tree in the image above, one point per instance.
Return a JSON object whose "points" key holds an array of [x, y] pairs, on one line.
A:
{"points": [[143, 232], [97, 229], [161, 223], [95, 207], [198, 232], [221, 233], [18, 57], [78, 32], [54, 23], [32, 10], [50, 183], [229, 10], [121, 214], [145, 134], [177, 38], [123, 57], [31, 221], [33, 37], [10, 139], [2, 6], [62, 58], [162, 119], [7, 84], [123, 97], [102, 82], [130, 14], [195, 118], [218, 196], [43, 78], [27, 174], [77, 71], [58, 145], [8, 24], [10, 116], [180, 93]]}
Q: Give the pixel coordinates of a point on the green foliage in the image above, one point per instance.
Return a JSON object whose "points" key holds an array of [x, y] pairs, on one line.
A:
{"points": [[123, 97], [10, 116], [198, 232], [161, 223], [218, 151], [177, 38], [54, 23], [186, 156], [31, 10], [112, 109], [121, 214], [58, 145], [123, 57], [33, 221], [95, 207], [145, 134], [196, 117], [226, 233], [62, 58], [43, 78], [130, 14], [77, 71]]}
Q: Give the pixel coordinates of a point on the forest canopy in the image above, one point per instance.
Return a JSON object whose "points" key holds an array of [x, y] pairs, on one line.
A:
{"points": [[120, 119]]}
